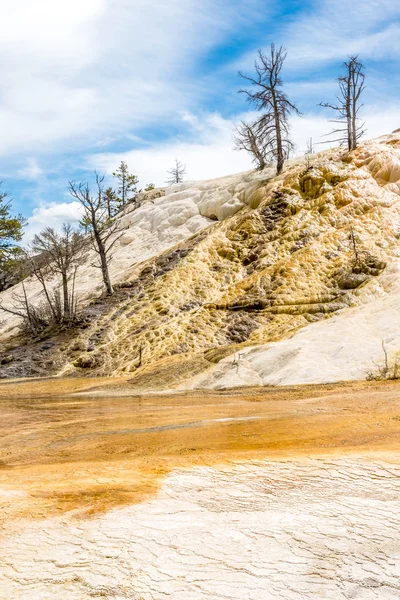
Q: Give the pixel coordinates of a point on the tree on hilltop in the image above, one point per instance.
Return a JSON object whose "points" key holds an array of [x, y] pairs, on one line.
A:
{"points": [[247, 138], [267, 96], [111, 201], [351, 86], [127, 184], [176, 173]]}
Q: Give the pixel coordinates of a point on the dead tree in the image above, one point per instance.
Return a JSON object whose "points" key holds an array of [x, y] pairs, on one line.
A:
{"points": [[351, 86], [309, 151], [104, 232], [247, 138], [37, 317], [268, 97], [31, 316], [61, 253], [37, 266], [177, 173], [53, 254]]}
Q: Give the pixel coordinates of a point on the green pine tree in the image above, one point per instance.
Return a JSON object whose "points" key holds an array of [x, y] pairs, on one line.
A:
{"points": [[11, 232], [127, 185]]}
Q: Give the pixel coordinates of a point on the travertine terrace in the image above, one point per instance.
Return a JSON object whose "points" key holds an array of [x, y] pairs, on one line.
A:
{"points": [[248, 280], [200, 379]]}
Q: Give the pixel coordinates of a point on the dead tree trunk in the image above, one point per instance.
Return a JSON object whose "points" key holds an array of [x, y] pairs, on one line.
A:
{"points": [[351, 86], [57, 253], [103, 231], [247, 138], [103, 263], [280, 158], [268, 97]]}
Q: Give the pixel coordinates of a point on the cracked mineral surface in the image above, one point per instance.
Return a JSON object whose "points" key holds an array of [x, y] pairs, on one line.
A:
{"points": [[293, 529], [275, 493]]}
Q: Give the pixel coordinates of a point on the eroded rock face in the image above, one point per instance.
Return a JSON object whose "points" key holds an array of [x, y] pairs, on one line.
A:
{"points": [[291, 529]]}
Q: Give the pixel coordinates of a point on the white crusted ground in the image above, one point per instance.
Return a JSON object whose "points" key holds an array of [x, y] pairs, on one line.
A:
{"points": [[268, 530], [345, 347]]}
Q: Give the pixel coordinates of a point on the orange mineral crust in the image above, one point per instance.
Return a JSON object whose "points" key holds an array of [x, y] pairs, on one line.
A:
{"points": [[66, 448]]}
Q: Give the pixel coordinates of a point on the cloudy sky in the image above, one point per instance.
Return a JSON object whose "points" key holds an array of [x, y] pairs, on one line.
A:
{"points": [[86, 83]]}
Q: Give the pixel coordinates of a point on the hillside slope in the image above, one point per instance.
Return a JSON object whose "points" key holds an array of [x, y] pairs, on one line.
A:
{"points": [[247, 280]]}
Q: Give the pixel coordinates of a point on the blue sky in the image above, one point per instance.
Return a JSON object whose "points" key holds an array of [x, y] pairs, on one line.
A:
{"points": [[87, 83]]}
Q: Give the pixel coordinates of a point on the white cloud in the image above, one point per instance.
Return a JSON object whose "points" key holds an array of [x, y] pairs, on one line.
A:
{"points": [[31, 171], [52, 215], [208, 150], [80, 70], [42, 35], [334, 29]]}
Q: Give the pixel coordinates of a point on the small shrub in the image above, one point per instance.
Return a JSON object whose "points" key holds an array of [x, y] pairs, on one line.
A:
{"points": [[386, 369]]}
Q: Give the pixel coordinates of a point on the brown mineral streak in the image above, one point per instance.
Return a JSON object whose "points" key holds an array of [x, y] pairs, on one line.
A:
{"points": [[63, 452]]}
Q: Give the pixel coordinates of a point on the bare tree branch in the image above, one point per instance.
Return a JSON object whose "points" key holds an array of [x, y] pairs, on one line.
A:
{"points": [[104, 231], [272, 129], [247, 138], [351, 86], [60, 253], [176, 173]]}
